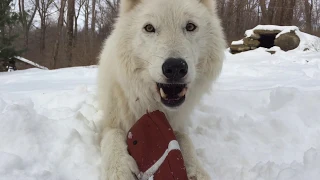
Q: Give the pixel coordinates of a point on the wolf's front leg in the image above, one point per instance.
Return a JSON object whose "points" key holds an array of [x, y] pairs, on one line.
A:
{"points": [[117, 164], [194, 170]]}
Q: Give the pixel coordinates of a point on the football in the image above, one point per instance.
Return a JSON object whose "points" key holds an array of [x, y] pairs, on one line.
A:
{"points": [[153, 145]]}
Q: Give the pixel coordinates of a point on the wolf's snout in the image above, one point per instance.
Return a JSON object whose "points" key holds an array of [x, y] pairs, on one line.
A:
{"points": [[175, 68]]}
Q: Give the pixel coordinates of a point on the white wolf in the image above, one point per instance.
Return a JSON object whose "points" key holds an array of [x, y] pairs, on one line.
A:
{"points": [[162, 55]]}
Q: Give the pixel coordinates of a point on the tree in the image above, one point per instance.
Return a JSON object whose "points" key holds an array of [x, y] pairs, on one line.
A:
{"points": [[26, 19], [80, 3], [308, 15], [316, 18], [43, 11], [60, 26], [70, 20], [284, 12], [239, 12], [93, 19], [7, 20], [279, 12], [230, 13], [86, 25], [268, 12]]}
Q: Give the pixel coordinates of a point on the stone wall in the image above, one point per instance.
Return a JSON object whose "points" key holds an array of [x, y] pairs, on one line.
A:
{"points": [[267, 39]]}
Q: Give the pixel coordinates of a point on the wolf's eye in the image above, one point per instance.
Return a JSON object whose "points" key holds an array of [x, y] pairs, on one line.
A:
{"points": [[191, 27], [149, 28]]}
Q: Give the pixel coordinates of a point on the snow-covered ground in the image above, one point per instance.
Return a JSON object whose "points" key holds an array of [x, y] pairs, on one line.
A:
{"points": [[261, 122]]}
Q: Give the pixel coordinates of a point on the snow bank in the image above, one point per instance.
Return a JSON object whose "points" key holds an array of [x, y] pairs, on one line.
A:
{"points": [[261, 122], [48, 133], [308, 42]]}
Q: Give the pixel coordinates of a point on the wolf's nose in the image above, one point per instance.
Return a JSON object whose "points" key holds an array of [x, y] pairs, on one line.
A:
{"points": [[175, 68]]}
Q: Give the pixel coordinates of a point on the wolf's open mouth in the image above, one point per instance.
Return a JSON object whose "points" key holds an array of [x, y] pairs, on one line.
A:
{"points": [[172, 95]]}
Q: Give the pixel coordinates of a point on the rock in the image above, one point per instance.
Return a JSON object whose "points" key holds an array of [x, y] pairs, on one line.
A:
{"points": [[266, 32], [254, 36], [239, 48], [265, 36], [271, 51], [251, 42], [287, 41]]}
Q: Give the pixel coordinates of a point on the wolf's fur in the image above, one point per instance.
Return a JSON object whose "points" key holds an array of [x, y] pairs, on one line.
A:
{"points": [[130, 65]]}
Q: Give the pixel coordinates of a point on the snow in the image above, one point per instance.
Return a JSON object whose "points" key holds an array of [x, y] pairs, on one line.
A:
{"points": [[240, 42], [274, 27], [249, 33], [308, 41], [283, 29], [261, 121], [275, 48], [47, 125], [288, 30]]}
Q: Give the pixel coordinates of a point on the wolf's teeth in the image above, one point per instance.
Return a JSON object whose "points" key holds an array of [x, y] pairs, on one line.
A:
{"points": [[163, 95], [183, 92]]}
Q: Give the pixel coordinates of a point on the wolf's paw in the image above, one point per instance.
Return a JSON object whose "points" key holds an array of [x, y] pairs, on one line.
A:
{"points": [[195, 173], [126, 170]]}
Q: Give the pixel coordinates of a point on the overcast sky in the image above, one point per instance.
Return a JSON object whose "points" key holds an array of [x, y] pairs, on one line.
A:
{"points": [[54, 14]]}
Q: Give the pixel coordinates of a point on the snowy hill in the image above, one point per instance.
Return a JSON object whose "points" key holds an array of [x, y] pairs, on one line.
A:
{"points": [[262, 121]]}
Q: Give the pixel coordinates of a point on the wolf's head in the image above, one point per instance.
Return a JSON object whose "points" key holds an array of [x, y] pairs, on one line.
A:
{"points": [[169, 49]]}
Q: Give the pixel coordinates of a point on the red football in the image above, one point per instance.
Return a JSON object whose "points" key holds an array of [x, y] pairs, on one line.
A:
{"points": [[152, 143]]}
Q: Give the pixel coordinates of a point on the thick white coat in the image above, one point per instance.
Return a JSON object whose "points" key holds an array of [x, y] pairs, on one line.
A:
{"points": [[130, 65]]}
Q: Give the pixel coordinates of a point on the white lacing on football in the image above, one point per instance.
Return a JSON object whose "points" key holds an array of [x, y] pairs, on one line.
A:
{"points": [[148, 174]]}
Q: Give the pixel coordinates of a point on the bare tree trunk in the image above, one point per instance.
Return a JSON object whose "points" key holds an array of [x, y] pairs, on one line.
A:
{"points": [[70, 18], [93, 19], [75, 33], [42, 35], [264, 11], [284, 12], [259, 18], [29, 23], [269, 12], [23, 20], [57, 43], [230, 13], [240, 8], [288, 6], [76, 17], [272, 9], [86, 26], [308, 15], [43, 13], [317, 16]]}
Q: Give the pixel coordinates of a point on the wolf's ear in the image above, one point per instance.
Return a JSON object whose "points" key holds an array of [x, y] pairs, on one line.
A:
{"points": [[127, 5], [210, 4]]}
